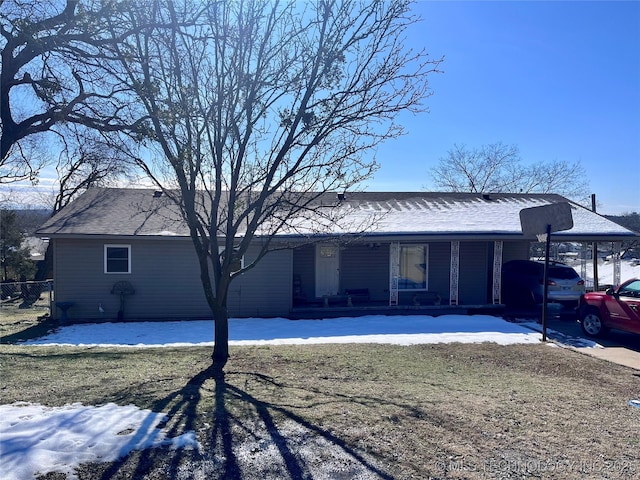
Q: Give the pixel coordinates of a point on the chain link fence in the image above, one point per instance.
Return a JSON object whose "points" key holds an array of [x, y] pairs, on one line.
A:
{"points": [[20, 301]]}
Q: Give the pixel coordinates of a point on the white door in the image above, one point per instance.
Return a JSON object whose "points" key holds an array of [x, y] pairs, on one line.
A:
{"points": [[327, 269]]}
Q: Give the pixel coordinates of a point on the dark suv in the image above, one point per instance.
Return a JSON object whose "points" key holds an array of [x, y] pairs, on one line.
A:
{"points": [[523, 283]]}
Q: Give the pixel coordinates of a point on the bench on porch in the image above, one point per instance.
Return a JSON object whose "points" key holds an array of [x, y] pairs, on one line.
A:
{"points": [[350, 296], [358, 295], [427, 298]]}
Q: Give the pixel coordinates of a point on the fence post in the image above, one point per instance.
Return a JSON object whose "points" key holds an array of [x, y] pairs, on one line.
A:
{"points": [[50, 288]]}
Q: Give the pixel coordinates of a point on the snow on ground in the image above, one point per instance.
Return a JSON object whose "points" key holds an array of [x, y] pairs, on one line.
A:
{"points": [[107, 432], [38, 439], [628, 270], [399, 330]]}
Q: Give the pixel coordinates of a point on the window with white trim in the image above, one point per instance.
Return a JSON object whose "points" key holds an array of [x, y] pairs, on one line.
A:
{"points": [[117, 259], [413, 267]]}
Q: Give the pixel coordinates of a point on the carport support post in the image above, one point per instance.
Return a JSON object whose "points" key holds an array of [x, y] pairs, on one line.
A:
{"points": [[546, 286], [594, 251]]}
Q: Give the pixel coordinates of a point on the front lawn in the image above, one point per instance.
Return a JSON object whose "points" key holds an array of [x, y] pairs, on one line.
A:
{"points": [[353, 411]]}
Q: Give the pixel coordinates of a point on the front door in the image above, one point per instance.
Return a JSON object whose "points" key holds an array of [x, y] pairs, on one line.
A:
{"points": [[327, 269]]}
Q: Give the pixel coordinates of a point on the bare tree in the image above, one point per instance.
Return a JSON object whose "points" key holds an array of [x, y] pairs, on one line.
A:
{"points": [[86, 160], [498, 168], [52, 51], [55, 98], [257, 108]]}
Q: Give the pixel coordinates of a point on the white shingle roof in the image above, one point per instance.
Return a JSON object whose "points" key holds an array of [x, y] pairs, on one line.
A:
{"points": [[474, 214]]}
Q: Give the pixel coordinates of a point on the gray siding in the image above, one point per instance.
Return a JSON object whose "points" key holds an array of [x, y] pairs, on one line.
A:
{"points": [[266, 289], [475, 272], [165, 275], [166, 279], [515, 251], [364, 267], [439, 269], [304, 269]]}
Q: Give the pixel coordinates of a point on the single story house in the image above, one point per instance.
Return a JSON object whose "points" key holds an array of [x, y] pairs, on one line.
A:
{"points": [[419, 249]]}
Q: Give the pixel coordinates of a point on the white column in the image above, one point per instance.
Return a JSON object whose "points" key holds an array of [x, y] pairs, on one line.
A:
{"points": [[394, 272], [497, 271], [616, 263], [584, 248], [454, 273]]}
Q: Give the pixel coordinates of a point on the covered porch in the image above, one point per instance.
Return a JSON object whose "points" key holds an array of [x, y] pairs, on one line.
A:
{"points": [[401, 274], [432, 276]]}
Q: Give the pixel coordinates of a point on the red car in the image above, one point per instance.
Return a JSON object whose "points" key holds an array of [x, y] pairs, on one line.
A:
{"points": [[617, 308]]}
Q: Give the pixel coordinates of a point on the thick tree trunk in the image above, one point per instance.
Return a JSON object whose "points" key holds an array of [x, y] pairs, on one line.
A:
{"points": [[221, 339]]}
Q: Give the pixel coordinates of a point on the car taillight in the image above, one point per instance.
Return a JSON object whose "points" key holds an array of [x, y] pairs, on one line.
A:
{"points": [[581, 282], [551, 283]]}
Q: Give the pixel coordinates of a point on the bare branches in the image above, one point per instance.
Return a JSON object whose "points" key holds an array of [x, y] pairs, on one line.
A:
{"points": [[52, 58], [259, 98], [86, 161], [498, 168]]}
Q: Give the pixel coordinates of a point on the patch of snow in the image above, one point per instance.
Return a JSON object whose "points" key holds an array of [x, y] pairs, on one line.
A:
{"points": [[398, 330], [38, 439], [628, 270], [562, 339]]}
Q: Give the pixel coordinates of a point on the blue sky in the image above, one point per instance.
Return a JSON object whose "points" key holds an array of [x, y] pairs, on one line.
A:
{"points": [[561, 80]]}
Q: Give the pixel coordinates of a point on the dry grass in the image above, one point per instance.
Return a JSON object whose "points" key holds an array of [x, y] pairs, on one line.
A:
{"points": [[20, 325], [354, 411], [18, 322]]}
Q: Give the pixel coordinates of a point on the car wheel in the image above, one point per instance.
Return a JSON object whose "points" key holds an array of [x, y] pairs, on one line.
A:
{"points": [[592, 324]]}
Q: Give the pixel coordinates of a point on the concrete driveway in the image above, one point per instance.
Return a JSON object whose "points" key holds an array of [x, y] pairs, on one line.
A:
{"points": [[618, 347]]}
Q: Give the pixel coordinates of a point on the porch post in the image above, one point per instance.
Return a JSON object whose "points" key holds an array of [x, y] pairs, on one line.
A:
{"points": [[454, 273], [394, 272], [616, 263], [497, 272], [583, 261]]}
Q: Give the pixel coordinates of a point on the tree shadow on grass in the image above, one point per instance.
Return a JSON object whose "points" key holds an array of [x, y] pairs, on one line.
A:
{"points": [[241, 437], [40, 328]]}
